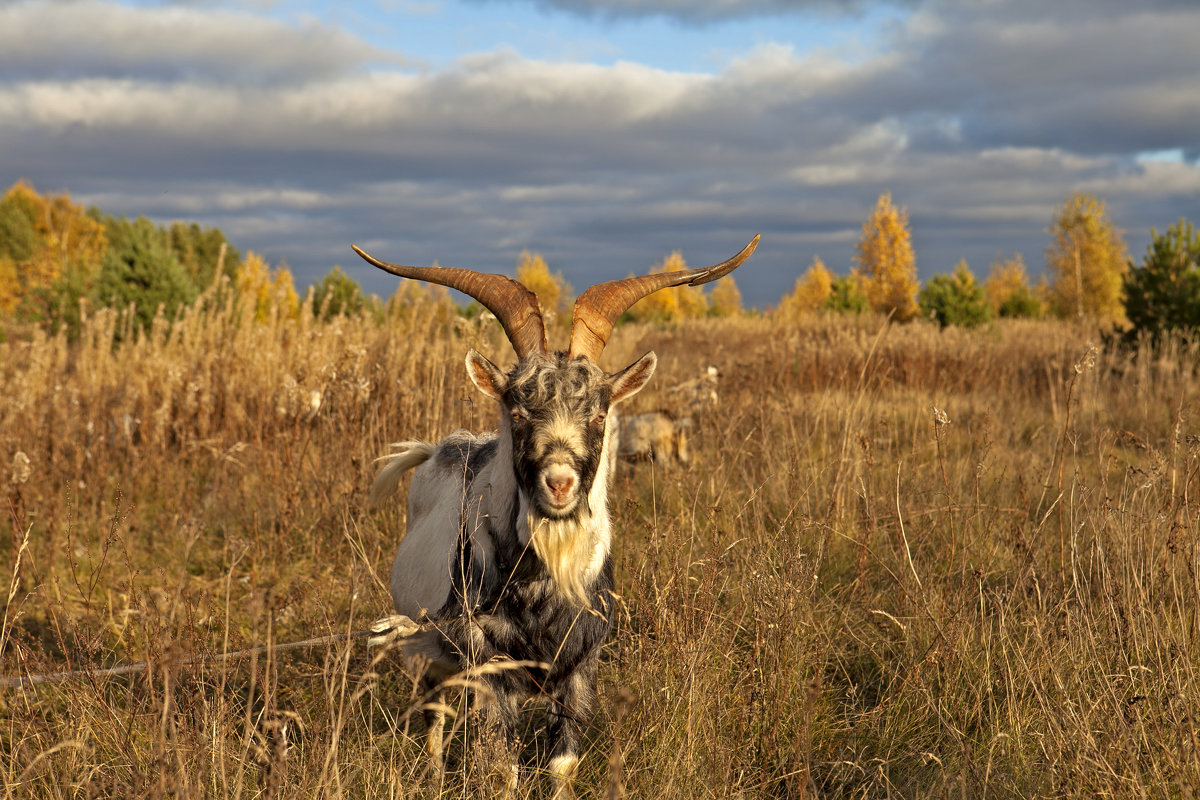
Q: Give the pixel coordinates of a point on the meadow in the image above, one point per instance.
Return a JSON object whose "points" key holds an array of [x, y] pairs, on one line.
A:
{"points": [[904, 561]]}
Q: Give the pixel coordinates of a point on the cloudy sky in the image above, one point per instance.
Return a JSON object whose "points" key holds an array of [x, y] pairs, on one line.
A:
{"points": [[606, 133]]}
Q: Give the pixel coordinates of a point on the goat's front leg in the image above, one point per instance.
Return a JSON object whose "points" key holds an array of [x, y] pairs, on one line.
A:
{"points": [[495, 743], [435, 732], [572, 709], [482, 641]]}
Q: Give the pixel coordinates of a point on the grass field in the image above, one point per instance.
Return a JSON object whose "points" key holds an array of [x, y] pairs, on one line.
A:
{"points": [[904, 562]]}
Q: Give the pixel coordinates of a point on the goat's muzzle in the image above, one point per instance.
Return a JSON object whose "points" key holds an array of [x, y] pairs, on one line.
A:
{"points": [[559, 490]]}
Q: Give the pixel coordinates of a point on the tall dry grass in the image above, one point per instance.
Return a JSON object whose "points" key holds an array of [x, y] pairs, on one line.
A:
{"points": [[905, 562]]}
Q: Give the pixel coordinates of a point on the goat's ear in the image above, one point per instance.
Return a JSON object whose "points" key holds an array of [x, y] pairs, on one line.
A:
{"points": [[486, 376], [629, 381]]}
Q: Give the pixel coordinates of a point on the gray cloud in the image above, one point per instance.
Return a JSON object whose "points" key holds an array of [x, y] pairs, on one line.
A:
{"points": [[978, 119], [1101, 84], [88, 39], [1066, 12], [692, 12]]}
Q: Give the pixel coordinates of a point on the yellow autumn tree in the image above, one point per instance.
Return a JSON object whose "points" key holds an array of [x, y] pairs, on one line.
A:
{"points": [[552, 290], [726, 299], [10, 285], [887, 263], [811, 292], [675, 303], [271, 291], [41, 239], [1087, 261], [1005, 277], [1008, 291]]}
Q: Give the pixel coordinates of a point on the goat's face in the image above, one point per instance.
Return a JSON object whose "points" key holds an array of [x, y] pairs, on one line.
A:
{"points": [[555, 410]]}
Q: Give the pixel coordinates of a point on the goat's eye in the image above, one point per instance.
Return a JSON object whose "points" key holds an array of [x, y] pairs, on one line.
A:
{"points": [[599, 418], [519, 414]]}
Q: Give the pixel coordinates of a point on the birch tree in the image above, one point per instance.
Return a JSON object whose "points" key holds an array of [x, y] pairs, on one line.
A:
{"points": [[1087, 261], [887, 263]]}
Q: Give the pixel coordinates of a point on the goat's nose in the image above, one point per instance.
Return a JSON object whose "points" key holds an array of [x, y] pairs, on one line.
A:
{"points": [[560, 484]]}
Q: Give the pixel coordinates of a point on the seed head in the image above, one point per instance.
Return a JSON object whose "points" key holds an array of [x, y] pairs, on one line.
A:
{"points": [[21, 469], [1087, 360]]}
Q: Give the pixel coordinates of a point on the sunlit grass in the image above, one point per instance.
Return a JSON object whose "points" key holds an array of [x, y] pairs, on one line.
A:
{"points": [[903, 561]]}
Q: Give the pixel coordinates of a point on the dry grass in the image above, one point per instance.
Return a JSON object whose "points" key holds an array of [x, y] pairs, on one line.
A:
{"points": [[841, 597]]}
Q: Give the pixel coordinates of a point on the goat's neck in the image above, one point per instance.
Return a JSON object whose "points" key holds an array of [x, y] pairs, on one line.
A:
{"points": [[502, 501], [573, 549]]}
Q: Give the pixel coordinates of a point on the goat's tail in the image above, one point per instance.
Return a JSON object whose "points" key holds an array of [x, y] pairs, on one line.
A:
{"points": [[406, 455]]}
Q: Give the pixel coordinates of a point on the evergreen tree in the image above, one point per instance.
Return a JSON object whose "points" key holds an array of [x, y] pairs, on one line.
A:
{"points": [[61, 304], [1087, 260], [847, 295], [202, 251], [1163, 295], [887, 262], [18, 232], [336, 294], [955, 299], [54, 256], [141, 269]]}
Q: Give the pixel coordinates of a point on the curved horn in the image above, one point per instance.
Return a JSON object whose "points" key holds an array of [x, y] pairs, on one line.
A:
{"points": [[597, 309], [515, 306]]}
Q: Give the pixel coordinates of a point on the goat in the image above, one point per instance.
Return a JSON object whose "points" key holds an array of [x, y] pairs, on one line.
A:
{"points": [[506, 559], [699, 394], [657, 436], [662, 435]]}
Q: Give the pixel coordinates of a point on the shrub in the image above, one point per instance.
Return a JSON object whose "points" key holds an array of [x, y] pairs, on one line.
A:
{"points": [[1022, 303], [1008, 292], [846, 295], [955, 299]]}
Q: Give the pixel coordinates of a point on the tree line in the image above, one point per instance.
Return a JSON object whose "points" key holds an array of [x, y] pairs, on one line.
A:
{"points": [[58, 259], [1089, 276]]}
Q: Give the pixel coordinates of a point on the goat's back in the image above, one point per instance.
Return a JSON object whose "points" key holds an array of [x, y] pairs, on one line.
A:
{"points": [[442, 489]]}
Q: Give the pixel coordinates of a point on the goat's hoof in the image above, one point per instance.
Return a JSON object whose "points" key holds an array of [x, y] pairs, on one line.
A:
{"points": [[390, 629], [562, 770]]}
